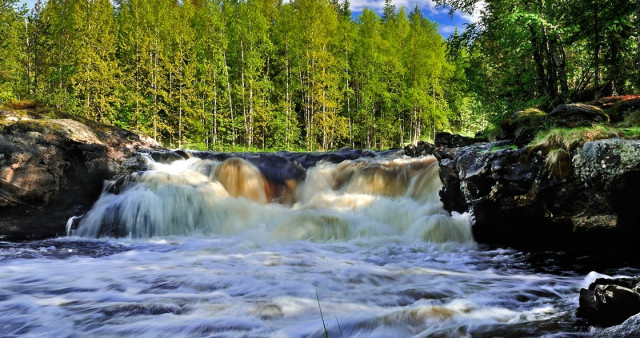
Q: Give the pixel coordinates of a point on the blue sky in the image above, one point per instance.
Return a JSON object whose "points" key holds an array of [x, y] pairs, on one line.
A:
{"points": [[440, 15]]}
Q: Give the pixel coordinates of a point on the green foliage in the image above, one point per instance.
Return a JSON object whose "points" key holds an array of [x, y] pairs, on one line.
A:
{"points": [[240, 74], [542, 53]]}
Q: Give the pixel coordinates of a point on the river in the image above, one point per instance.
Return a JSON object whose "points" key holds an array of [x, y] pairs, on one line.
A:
{"points": [[361, 248]]}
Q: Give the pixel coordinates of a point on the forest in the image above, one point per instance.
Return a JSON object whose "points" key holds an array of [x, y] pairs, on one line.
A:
{"points": [[307, 74]]}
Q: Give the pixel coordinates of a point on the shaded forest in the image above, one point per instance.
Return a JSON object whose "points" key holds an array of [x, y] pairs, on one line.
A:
{"points": [[306, 74]]}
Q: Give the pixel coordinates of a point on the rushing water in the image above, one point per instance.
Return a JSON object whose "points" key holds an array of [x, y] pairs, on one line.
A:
{"points": [[219, 248]]}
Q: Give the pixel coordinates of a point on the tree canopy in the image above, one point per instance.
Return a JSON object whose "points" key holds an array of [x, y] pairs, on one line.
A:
{"points": [[222, 74], [265, 74], [546, 52]]}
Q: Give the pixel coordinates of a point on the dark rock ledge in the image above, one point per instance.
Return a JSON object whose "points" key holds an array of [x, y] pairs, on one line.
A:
{"points": [[584, 199], [609, 302], [52, 167]]}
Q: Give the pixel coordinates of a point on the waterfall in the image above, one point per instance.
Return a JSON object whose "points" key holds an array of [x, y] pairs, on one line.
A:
{"points": [[276, 198]]}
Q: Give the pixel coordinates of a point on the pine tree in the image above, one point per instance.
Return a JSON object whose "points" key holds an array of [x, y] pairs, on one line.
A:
{"points": [[96, 74]]}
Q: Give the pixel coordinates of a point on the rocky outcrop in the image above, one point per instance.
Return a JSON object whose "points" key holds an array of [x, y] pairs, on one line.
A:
{"points": [[610, 301], [52, 167], [537, 197]]}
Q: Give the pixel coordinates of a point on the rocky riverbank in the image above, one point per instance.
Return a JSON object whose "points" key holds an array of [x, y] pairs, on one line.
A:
{"points": [[52, 167], [565, 181], [575, 189]]}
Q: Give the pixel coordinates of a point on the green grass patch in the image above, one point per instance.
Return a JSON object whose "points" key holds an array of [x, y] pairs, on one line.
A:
{"points": [[508, 146], [570, 139], [632, 133]]}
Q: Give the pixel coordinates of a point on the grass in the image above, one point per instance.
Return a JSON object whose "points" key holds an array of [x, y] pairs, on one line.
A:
{"points": [[508, 146], [326, 333], [558, 143], [570, 139], [558, 162]]}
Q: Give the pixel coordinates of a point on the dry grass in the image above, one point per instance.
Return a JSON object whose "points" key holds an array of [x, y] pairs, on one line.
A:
{"points": [[558, 162]]}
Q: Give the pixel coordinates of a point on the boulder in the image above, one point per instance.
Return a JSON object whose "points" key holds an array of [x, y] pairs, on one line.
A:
{"points": [[610, 301], [448, 140], [422, 148], [53, 167], [576, 115], [533, 197], [522, 126]]}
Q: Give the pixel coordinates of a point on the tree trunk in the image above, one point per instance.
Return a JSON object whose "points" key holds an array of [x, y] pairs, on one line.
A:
{"points": [[233, 127], [552, 78], [537, 57], [638, 32], [596, 50], [559, 57]]}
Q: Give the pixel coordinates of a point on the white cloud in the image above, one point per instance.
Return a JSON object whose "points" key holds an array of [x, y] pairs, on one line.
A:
{"points": [[477, 10], [447, 29], [378, 5]]}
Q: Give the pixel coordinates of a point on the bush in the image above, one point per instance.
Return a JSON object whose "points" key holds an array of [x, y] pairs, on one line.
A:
{"points": [[23, 104]]}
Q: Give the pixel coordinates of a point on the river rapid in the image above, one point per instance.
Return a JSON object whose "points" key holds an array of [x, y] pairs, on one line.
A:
{"points": [[224, 248]]}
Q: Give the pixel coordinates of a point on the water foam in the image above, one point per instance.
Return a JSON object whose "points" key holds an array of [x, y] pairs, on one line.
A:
{"points": [[360, 198]]}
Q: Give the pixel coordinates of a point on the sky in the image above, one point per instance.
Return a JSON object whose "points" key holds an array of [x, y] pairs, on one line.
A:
{"points": [[447, 23]]}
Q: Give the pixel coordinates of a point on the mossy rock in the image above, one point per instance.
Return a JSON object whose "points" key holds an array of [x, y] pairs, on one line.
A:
{"points": [[522, 125], [577, 115]]}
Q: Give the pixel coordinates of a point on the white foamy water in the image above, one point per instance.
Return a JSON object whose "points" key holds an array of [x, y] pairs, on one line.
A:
{"points": [[206, 254], [229, 286]]}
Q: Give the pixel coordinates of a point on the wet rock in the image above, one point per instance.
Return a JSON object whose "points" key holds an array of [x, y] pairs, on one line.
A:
{"points": [[54, 168], [629, 328], [422, 148], [448, 140], [577, 115], [610, 301], [169, 156], [535, 198]]}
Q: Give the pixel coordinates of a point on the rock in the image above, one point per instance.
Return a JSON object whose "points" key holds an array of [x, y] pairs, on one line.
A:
{"points": [[169, 156], [629, 328], [522, 126], [610, 301], [421, 149], [576, 115], [54, 168], [535, 198], [448, 140]]}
